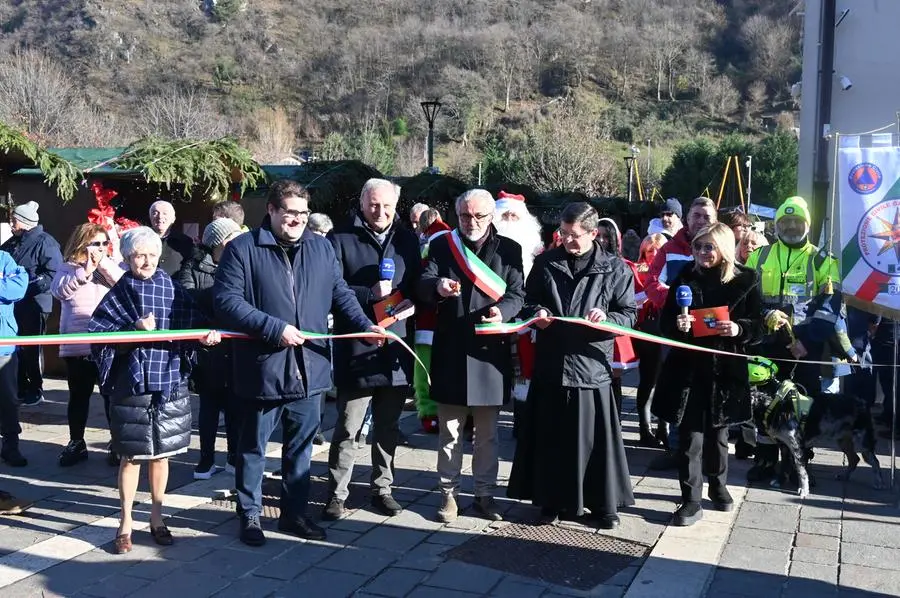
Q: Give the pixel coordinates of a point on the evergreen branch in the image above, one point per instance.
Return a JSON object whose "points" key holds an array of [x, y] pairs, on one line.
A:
{"points": [[58, 172]]}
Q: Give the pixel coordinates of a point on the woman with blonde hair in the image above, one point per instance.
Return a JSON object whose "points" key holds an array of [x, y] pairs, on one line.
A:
{"points": [[751, 241], [80, 284], [704, 393]]}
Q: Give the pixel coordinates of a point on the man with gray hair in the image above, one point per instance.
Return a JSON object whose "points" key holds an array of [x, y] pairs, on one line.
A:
{"points": [[414, 214], [38, 253], [475, 276], [177, 247], [320, 223], [379, 259]]}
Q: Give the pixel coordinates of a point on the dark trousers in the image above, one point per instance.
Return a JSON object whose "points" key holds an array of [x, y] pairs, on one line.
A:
{"points": [[9, 401], [32, 322], [650, 355], [82, 375], [299, 422], [703, 452], [884, 354], [387, 406], [213, 402]]}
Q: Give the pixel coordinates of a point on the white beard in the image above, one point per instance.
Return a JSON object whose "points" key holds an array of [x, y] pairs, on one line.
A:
{"points": [[527, 233]]}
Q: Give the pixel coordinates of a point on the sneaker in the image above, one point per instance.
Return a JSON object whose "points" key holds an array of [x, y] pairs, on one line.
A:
{"points": [[12, 457], [449, 510], [687, 514], [10, 505], [665, 462], [386, 505], [75, 452], [301, 527], [721, 498], [251, 531], [31, 399], [486, 506], [319, 439], [205, 469], [334, 510]]}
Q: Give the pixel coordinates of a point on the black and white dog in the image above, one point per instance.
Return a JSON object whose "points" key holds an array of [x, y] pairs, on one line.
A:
{"points": [[799, 423]]}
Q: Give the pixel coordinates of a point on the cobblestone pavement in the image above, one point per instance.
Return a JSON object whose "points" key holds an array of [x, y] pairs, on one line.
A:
{"points": [[844, 540]]}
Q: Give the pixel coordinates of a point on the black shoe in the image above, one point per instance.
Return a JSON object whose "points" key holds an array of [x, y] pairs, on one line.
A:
{"points": [[743, 451], [251, 531], [75, 452], [688, 514], [31, 399], [205, 469], [721, 498], [301, 527], [386, 505], [548, 515], [664, 462], [319, 439], [648, 439], [12, 457], [334, 510], [487, 507], [608, 521]]}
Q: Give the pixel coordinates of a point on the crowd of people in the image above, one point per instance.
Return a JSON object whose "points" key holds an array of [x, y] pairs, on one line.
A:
{"points": [[297, 277]]}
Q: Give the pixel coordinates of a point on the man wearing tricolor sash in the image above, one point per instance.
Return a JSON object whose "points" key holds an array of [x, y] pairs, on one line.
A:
{"points": [[472, 276]]}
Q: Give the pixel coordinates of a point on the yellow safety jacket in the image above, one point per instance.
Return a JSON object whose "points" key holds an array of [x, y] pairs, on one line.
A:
{"points": [[790, 277]]}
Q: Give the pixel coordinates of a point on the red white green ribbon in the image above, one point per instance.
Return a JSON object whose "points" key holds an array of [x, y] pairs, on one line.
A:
{"points": [[485, 280], [514, 327]]}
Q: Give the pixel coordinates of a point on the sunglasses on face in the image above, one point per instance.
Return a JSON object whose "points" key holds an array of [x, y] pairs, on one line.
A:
{"points": [[707, 247], [98, 244]]}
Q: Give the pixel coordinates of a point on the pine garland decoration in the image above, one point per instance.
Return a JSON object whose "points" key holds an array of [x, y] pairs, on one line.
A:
{"points": [[209, 167], [58, 172]]}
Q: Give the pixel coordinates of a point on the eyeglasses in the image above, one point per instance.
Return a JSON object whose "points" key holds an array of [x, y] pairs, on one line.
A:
{"points": [[295, 214], [707, 247], [572, 236], [98, 244], [476, 217]]}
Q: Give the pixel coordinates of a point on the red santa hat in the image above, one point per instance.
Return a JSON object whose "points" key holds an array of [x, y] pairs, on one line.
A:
{"points": [[509, 201]]}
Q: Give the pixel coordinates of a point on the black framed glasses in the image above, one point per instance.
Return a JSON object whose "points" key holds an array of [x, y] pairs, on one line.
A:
{"points": [[98, 244], [708, 247], [476, 217], [295, 214]]}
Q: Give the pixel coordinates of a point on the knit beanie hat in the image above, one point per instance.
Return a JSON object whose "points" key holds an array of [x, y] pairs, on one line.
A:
{"points": [[27, 213], [218, 230], [672, 205], [794, 206]]}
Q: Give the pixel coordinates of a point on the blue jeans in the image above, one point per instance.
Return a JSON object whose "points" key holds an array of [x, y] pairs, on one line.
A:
{"points": [[299, 423]]}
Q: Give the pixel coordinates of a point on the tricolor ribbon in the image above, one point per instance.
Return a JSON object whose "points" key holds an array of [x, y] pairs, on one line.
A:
{"points": [[156, 336], [514, 327], [485, 280]]}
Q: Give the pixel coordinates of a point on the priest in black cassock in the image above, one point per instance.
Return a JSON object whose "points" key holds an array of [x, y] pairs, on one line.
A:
{"points": [[570, 457]]}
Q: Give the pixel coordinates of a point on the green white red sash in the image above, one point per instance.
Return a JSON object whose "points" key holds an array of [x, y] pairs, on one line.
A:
{"points": [[485, 280]]}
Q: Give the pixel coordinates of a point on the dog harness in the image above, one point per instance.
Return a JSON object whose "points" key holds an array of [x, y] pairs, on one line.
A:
{"points": [[800, 405]]}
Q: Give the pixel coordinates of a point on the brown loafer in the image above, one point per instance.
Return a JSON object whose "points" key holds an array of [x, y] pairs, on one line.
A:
{"points": [[123, 544], [161, 535]]}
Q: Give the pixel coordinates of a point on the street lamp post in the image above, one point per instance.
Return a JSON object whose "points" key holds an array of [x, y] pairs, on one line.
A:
{"points": [[749, 164], [431, 110], [629, 163]]}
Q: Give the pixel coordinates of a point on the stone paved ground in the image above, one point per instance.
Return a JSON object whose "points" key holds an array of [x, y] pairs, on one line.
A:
{"points": [[842, 541]]}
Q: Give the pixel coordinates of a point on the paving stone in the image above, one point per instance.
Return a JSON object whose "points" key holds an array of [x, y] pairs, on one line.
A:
{"points": [[116, 586], [392, 539], [250, 587], [322, 583], [337, 538], [183, 583], [745, 583], [825, 573], [428, 592], [448, 537], [816, 541], [395, 582], [152, 569], [870, 532], [359, 560], [821, 528], [761, 560], [464, 577], [801, 587], [34, 586], [878, 557], [869, 579], [293, 562], [516, 587], [228, 563], [17, 536], [761, 538], [779, 518], [818, 556], [424, 557]]}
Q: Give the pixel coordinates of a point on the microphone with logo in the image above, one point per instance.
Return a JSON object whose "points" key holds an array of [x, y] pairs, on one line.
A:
{"points": [[684, 297], [386, 270]]}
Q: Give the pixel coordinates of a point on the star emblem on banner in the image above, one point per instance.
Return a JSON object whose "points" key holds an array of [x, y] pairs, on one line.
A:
{"points": [[890, 235]]}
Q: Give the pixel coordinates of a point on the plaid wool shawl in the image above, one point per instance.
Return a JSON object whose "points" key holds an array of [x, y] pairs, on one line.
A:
{"points": [[152, 367]]}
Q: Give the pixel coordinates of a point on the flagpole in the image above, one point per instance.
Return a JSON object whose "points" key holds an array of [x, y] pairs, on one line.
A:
{"points": [[894, 410]]}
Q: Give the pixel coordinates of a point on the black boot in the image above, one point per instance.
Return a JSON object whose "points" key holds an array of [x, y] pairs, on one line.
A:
{"points": [[764, 463], [742, 450]]}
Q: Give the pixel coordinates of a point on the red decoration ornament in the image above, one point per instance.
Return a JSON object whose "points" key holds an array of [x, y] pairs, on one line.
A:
{"points": [[104, 213]]}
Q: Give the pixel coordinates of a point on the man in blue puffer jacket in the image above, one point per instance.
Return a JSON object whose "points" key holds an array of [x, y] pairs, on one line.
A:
{"points": [[13, 284], [275, 283], [38, 253]]}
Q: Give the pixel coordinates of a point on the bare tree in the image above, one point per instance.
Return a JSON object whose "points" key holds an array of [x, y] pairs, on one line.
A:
{"points": [[36, 94], [769, 42], [182, 114], [719, 96], [272, 137]]}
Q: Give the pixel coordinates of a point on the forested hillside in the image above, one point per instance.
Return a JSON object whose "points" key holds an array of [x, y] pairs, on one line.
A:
{"points": [[515, 77]]}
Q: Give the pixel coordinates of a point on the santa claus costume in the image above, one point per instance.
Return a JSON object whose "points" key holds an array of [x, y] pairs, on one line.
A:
{"points": [[426, 320]]}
